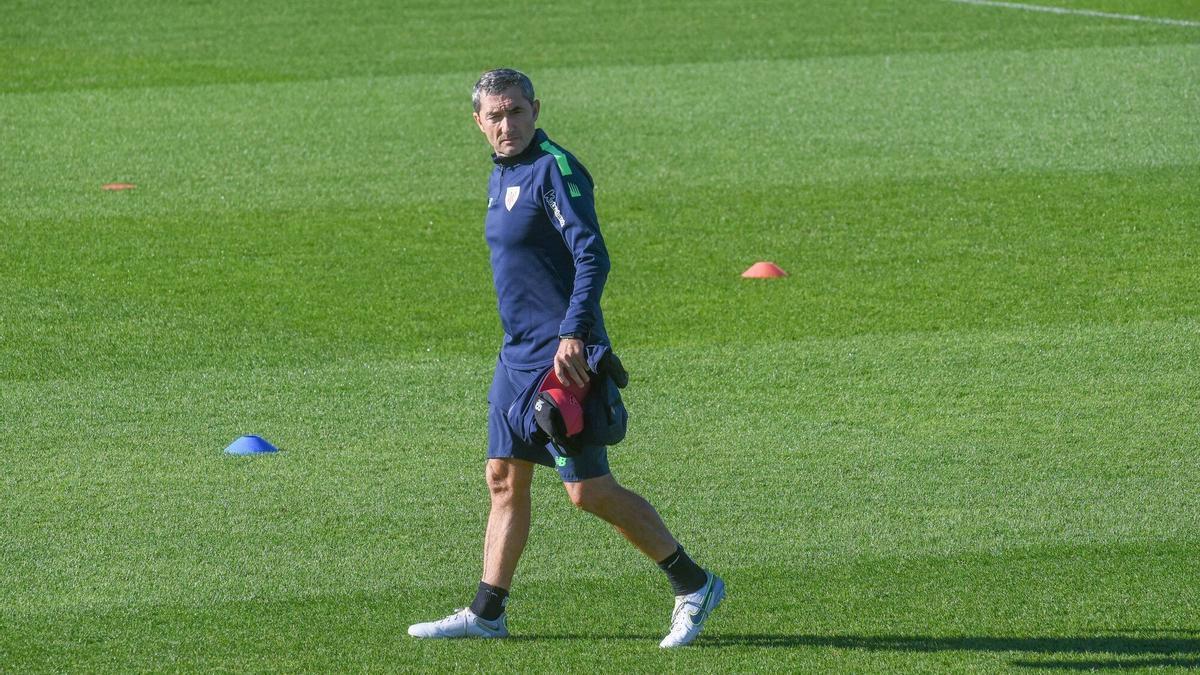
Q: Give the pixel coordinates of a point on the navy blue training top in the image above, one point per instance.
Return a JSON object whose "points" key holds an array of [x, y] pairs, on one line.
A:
{"points": [[549, 263]]}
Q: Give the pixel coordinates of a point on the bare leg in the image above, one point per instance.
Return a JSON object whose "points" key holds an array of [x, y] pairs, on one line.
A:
{"points": [[627, 511], [508, 522]]}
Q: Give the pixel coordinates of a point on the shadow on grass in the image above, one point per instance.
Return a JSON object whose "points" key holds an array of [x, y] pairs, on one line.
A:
{"points": [[1114, 664], [1114, 650], [1111, 650]]}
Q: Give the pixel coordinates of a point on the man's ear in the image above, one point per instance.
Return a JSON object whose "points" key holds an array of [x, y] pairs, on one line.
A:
{"points": [[537, 107], [478, 122]]}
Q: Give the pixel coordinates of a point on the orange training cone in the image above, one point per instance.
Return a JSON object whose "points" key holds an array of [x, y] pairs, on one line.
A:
{"points": [[763, 270]]}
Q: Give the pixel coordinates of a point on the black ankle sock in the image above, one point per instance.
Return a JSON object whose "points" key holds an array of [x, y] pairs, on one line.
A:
{"points": [[489, 601], [685, 575]]}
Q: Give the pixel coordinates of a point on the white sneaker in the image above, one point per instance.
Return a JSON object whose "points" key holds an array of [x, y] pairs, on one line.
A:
{"points": [[692, 610], [462, 623]]}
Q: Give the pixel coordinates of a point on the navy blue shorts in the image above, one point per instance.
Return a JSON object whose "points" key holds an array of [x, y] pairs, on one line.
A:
{"points": [[503, 442]]}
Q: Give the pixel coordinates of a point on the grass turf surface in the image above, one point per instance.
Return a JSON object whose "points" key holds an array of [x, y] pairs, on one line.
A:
{"points": [[960, 436]]}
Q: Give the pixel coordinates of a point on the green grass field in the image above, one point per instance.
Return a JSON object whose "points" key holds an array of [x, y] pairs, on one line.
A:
{"points": [[960, 436]]}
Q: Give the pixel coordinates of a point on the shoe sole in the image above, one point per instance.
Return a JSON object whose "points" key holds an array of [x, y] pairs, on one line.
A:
{"points": [[459, 637]]}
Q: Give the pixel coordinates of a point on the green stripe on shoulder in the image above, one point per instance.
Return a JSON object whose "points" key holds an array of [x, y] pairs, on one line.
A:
{"points": [[564, 167]]}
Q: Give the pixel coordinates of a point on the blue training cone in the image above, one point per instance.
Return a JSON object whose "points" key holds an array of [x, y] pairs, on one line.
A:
{"points": [[250, 445]]}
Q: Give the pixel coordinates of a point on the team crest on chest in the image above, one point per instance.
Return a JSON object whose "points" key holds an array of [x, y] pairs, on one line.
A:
{"points": [[510, 197]]}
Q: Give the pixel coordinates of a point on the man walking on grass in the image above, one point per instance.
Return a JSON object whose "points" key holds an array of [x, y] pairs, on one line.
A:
{"points": [[549, 264]]}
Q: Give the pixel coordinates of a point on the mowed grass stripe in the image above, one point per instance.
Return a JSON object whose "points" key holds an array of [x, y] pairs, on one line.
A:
{"points": [[1183, 9], [876, 447], [1078, 11], [869, 614], [381, 143], [81, 46], [871, 257]]}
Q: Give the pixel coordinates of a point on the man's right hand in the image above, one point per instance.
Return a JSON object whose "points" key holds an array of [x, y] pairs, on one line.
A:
{"points": [[570, 363]]}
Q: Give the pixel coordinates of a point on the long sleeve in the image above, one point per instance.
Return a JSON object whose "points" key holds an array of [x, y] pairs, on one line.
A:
{"points": [[570, 206]]}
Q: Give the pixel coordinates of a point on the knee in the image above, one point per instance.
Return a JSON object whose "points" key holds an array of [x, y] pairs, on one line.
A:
{"points": [[500, 482], [590, 498]]}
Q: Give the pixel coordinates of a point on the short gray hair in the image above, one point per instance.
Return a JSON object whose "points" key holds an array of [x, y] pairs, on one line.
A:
{"points": [[496, 81]]}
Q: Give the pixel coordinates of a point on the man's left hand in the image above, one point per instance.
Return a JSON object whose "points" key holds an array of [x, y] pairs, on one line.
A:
{"points": [[570, 363]]}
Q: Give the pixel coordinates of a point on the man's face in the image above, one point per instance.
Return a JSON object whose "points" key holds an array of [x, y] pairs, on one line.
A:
{"points": [[507, 119]]}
